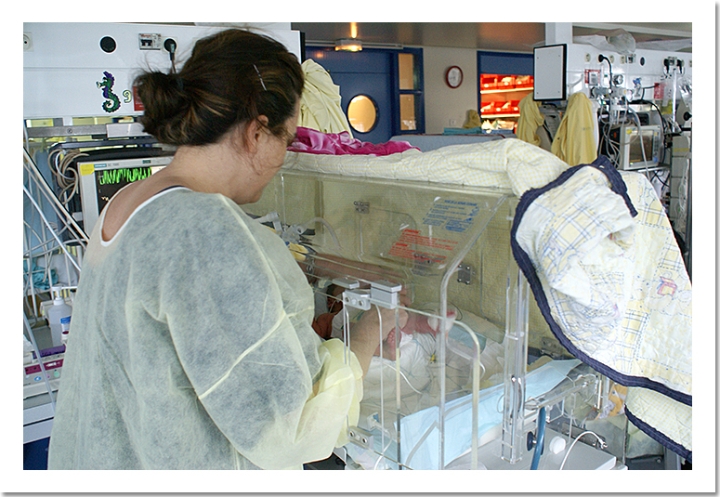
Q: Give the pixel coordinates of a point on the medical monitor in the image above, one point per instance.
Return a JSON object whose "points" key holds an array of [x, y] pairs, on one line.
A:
{"points": [[550, 73], [103, 175], [639, 147]]}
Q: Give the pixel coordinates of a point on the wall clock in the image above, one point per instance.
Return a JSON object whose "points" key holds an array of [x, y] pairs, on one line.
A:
{"points": [[453, 76]]}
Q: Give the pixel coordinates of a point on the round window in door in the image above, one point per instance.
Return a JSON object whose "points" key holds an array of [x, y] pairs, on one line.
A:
{"points": [[362, 114]]}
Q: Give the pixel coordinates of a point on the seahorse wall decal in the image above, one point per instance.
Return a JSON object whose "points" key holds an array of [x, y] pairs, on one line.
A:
{"points": [[113, 102]]}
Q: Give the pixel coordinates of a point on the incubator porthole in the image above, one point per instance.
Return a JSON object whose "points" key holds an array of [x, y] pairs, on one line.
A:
{"points": [[362, 113]]}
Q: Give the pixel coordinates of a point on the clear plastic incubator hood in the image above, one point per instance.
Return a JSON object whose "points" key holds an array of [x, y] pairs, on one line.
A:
{"points": [[476, 379]]}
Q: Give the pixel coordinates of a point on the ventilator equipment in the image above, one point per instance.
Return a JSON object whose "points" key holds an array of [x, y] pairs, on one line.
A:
{"points": [[628, 101]]}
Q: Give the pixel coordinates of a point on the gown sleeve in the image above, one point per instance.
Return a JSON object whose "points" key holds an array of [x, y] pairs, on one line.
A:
{"points": [[239, 311]]}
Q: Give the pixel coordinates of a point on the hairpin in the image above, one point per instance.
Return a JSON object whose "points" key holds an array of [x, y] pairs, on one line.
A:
{"points": [[260, 76]]}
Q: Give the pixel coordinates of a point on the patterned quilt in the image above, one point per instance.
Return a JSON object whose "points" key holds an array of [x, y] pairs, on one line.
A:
{"points": [[604, 266]]}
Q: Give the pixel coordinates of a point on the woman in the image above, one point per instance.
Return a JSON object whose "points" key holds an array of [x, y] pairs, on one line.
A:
{"points": [[191, 341]]}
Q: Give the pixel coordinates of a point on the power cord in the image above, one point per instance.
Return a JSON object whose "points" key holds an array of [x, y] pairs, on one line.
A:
{"points": [[600, 441], [171, 46]]}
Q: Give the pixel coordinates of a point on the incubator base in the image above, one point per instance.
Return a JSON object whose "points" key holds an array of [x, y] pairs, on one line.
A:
{"points": [[582, 457]]}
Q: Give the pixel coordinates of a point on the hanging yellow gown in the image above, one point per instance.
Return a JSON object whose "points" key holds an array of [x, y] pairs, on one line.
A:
{"points": [[320, 102], [575, 141], [529, 121]]}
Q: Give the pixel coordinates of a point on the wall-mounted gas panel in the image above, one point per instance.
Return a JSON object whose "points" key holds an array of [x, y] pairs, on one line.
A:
{"points": [[87, 69]]}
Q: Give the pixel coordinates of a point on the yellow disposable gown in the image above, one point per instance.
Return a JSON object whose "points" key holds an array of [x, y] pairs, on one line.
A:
{"points": [[473, 119], [192, 348], [575, 140], [320, 102], [530, 119]]}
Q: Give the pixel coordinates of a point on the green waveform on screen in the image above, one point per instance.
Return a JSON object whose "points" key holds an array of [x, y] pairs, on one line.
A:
{"points": [[123, 175]]}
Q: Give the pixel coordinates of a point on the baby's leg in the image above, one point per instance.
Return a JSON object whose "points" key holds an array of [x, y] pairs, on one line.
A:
{"points": [[388, 346]]}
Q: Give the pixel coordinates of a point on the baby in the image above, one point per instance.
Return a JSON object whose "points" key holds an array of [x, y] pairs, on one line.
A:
{"points": [[329, 325]]}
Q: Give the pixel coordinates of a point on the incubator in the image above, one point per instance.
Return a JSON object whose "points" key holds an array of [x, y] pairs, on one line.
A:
{"points": [[476, 379]]}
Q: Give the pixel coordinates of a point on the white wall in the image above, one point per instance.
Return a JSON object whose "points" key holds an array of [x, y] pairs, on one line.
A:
{"points": [[446, 107]]}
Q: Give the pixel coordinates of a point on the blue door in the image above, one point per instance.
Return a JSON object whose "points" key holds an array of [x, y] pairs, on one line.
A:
{"points": [[367, 73]]}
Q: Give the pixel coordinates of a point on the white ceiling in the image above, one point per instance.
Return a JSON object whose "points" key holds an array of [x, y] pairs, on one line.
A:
{"points": [[500, 36]]}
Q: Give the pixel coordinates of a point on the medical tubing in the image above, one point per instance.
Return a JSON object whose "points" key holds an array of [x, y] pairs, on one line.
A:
{"points": [[271, 217], [382, 455], [539, 443], [327, 225], [419, 443], [30, 273], [40, 180], [402, 375], [588, 432], [60, 242]]}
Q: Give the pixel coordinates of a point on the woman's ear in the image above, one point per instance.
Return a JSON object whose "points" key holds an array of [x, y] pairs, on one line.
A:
{"points": [[255, 131]]}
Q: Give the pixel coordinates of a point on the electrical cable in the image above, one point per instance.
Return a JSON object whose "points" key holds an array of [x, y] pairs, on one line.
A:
{"points": [[588, 432], [171, 46], [58, 207]]}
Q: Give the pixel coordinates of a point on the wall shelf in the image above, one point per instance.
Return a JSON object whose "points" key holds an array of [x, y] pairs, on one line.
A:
{"points": [[492, 116], [500, 95], [506, 90]]}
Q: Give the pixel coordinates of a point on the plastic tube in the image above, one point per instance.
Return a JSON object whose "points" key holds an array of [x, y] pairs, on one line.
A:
{"points": [[327, 225], [540, 440]]}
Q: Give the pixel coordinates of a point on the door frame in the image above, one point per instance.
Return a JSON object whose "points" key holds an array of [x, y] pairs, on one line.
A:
{"points": [[395, 92]]}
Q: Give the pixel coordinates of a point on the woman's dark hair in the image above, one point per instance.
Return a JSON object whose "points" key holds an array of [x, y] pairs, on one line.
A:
{"points": [[231, 77]]}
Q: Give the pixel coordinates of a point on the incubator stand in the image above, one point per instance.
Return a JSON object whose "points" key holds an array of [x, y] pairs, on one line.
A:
{"points": [[476, 380]]}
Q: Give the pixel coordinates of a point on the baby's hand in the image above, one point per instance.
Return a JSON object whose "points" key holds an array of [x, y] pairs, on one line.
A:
{"points": [[418, 323]]}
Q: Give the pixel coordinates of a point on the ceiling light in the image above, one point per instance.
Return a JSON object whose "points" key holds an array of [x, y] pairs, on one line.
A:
{"points": [[348, 45]]}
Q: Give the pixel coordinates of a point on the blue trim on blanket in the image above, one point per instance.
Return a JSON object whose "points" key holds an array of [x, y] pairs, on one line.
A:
{"points": [[659, 437], [526, 266]]}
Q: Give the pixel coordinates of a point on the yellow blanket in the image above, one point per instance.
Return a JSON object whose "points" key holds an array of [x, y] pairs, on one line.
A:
{"points": [[509, 164]]}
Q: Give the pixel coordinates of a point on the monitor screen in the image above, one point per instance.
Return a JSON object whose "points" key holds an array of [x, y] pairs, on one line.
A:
{"points": [[639, 148], [102, 176]]}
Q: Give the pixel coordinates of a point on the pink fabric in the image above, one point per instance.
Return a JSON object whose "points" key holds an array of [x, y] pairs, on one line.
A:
{"points": [[311, 141]]}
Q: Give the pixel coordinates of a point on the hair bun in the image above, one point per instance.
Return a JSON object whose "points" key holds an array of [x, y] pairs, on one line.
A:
{"points": [[232, 77]]}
